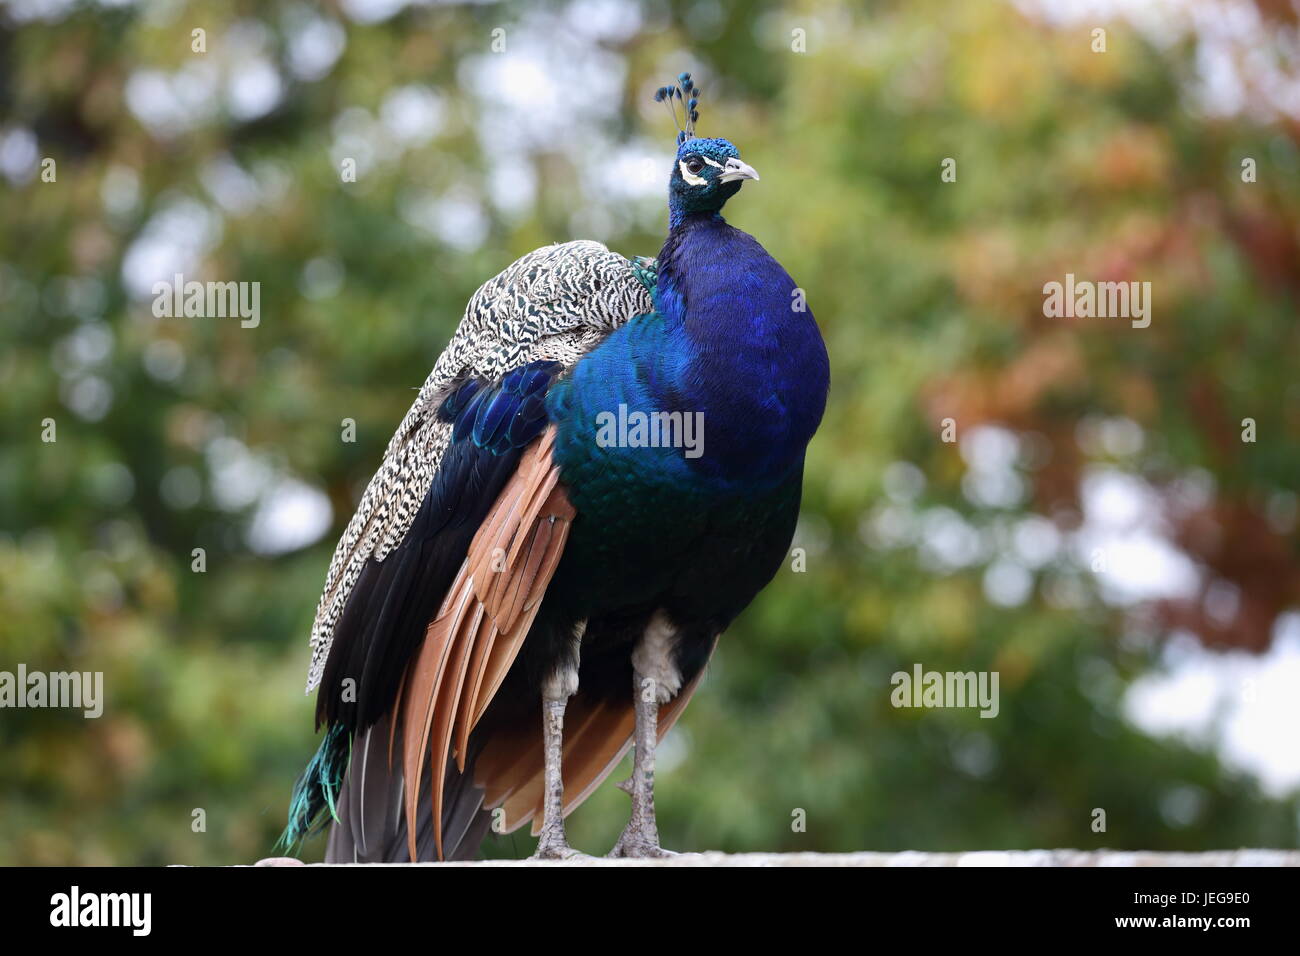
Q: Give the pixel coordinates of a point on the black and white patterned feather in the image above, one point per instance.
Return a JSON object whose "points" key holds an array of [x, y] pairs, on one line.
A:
{"points": [[555, 303]]}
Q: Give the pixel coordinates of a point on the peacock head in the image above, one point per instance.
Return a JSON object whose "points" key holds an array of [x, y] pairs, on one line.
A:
{"points": [[706, 172]]}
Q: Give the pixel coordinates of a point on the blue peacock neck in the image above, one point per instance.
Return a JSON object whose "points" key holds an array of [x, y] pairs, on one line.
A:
{"points": [[740, 348]]}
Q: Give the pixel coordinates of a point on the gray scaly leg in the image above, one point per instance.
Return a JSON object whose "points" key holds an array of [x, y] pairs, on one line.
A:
{"points": [[641, 835], [553, 844]]}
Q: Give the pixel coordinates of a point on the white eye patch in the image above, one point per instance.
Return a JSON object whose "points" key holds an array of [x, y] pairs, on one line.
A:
{"points": [[689, 176]]}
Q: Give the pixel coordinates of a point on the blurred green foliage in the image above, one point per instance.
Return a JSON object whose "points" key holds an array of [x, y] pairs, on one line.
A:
{"points": [[929, 295]]}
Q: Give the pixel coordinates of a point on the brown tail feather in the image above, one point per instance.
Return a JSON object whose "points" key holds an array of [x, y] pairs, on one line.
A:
{"points": [[470, 645], [423, 682]]}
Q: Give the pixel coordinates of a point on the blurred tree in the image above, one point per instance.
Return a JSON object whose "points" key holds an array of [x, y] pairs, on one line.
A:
{"points": [[478, 133]]}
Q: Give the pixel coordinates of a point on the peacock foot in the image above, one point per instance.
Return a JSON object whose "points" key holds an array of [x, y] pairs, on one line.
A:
{"points": [[557, 849]]}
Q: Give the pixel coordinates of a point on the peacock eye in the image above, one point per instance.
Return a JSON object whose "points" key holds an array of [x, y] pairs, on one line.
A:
{"points": [[695, 164]]}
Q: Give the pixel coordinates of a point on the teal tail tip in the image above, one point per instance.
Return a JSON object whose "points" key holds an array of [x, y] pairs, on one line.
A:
{"points": [[314, 800]]}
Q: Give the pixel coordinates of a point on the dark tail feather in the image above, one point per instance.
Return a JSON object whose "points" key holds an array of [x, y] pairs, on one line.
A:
{"points": [[370, 826], [368, 808], [316, 793]]}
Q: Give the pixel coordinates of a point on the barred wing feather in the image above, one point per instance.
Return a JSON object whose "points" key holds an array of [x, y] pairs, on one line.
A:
{"points": [[556, 303]]}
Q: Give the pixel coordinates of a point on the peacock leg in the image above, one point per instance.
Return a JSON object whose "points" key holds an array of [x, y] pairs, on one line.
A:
{"points": [[553, 844], [641, 835]]}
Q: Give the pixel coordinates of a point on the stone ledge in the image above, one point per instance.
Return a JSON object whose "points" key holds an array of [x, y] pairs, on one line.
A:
{"points": [[1007, 858]]}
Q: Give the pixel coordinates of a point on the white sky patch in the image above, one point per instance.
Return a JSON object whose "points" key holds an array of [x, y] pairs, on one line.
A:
{"points": [[372, 11], [24, 11], [611, 21], [290, 515], [948, 541], [239, 477], [230, 185], [173, 241], [1245, 706], [888, 526], [314, 47], [991, 479], [1035, 541], [1007, 583], [19, 155], [1123, 536], [169, 104], [413, 114], [254, 89]]}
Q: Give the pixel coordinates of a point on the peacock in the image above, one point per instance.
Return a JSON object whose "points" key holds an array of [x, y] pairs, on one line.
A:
{"points": [[600, 473]]}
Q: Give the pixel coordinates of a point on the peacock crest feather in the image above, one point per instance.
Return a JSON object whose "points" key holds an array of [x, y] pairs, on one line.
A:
{"points": [[684, 91]]}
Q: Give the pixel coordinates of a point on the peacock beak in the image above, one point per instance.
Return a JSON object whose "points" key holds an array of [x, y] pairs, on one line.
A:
{"points": [[734, 169]]}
